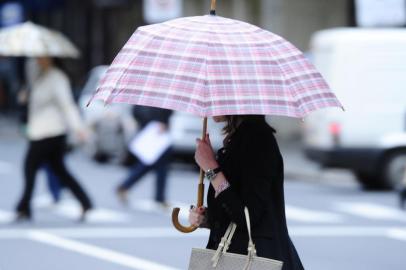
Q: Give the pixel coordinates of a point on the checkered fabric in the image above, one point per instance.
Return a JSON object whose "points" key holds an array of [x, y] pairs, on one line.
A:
{"points": [[210, 65]]}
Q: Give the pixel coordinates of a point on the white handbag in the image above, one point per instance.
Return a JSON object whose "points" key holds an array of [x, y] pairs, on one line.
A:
{"points": [[220, 259]]}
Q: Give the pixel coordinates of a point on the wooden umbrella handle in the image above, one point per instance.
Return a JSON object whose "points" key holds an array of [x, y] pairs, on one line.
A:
{"points": [[200, 195], [213, 7]]}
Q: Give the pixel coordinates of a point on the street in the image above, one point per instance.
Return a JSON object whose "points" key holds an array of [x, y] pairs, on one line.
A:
{"points": [[334, 224]]}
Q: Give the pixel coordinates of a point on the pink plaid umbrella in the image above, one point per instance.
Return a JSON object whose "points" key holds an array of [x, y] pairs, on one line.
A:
{"points": [[210, 65]]}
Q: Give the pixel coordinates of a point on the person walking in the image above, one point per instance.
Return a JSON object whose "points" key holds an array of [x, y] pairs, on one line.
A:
{"points": [[51, 111], [31, 72], [246, 172], [402, 192], [145, 115]]}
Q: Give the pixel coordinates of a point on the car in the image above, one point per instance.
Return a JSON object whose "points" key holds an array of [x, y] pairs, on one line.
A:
{"points": [[366, 70], [113, 126]]}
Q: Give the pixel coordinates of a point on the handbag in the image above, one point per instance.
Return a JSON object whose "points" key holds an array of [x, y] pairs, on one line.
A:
{"points": [[220, 259]]}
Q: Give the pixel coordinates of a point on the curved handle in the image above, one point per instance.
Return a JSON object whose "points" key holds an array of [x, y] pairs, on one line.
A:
{"points": [[200, 195], [177, 225], [175, 212]]}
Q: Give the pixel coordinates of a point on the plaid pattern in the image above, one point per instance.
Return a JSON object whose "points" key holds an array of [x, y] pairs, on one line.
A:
{"points": [[210, 65]]}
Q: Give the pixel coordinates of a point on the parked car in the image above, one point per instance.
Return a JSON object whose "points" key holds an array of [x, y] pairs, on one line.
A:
{"points": [[366, 68], [113, 126]]}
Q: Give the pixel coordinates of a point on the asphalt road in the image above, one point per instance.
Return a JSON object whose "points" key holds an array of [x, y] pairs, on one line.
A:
{"points": [[333, 224]]}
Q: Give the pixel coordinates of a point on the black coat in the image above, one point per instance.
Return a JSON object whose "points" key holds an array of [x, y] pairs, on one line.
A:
{"points": [[253, 165]]}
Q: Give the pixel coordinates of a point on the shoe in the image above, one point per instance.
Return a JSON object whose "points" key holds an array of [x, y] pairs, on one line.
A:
{"points": [[402, 198], [22, 216], [122, 195], [84, 213]]}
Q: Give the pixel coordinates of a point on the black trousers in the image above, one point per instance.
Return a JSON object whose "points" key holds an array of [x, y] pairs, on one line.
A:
{"points": [[50, 151]]}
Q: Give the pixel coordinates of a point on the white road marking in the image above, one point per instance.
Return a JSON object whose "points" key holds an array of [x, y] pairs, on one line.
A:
{"points": [[398, 234], [311, 216], [338, 231], [372, 211], [97, 252], [108, 233], [71, 209], [6, 217], [169, 232], [5, 167]]}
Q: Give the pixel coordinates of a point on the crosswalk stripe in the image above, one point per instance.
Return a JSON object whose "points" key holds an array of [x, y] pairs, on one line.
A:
{"points": [[311, 216], [371, 211], [6, 217], [292, 212], [72, 210], [398, 234], [69, 208], [97, 252]]}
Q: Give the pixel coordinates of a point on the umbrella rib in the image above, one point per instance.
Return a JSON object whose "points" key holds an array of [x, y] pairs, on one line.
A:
{"points": [[279, 65]]}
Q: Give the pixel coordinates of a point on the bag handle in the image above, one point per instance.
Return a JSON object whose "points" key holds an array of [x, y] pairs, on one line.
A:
{"points": [[252, 252], [224, 244], [226, 241]]}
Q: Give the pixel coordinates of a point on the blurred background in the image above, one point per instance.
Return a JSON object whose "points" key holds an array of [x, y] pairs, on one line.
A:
{"points": [[343, 170]]}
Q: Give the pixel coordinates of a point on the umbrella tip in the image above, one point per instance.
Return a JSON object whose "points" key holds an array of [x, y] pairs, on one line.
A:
{"points": [[213, 12]]}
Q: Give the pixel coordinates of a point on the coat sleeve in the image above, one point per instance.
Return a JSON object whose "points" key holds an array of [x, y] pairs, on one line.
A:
{"points": [[63, 96], [259, 162]]}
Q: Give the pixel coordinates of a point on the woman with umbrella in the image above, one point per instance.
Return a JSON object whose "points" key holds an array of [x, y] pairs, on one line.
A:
{"points": [[51, 105], [248, 171], [51, 109], [235, 72]]}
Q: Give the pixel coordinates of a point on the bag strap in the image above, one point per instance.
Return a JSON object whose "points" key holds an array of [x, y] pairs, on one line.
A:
{"points": [[224, 244], [226, 241], [252, 252]]}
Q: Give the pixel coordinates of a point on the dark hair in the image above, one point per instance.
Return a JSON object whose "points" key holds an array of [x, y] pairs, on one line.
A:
{"points": [[233, 122], [58, 63]]}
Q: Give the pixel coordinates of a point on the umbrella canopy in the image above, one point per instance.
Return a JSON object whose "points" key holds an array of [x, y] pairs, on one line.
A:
{"points": [[210, 65], [31, 40]]}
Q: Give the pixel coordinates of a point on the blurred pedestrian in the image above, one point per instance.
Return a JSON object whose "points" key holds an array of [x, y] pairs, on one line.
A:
{"points": [[31, 72], [145, 115], [53, 183], [51, 112], [247, 172], [402, 193]]}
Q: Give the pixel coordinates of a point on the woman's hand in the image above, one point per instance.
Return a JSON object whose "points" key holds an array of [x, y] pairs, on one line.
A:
{"points": [[196, 216], [204, 154]]}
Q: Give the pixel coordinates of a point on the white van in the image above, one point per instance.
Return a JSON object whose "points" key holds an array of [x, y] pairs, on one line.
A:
{"points": [[366, 68]]}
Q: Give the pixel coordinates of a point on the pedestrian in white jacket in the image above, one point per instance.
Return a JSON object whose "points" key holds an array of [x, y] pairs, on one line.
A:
{"points": [[51, 114]]}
